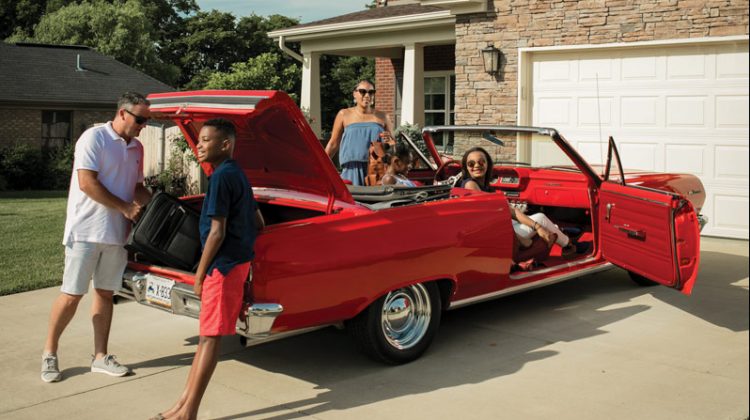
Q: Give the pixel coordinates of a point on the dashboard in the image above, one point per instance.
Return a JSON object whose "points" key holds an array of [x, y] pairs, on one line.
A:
{"points": [[542, 187]]}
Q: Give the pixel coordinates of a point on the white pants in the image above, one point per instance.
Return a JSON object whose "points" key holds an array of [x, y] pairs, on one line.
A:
{"points": [[526, 233]]}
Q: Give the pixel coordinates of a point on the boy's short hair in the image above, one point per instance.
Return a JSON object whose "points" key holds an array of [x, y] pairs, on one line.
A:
{"points": [[223, 126]]}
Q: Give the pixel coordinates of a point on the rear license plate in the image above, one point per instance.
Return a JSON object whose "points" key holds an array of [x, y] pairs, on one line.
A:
{"points": [[159, 291]]}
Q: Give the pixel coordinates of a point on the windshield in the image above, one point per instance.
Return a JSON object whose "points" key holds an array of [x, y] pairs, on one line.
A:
{"points": [[520, 149]]}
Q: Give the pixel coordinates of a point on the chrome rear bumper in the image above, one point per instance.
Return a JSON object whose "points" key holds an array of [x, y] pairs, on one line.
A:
{"points": [[702, 221], [257, 322]]}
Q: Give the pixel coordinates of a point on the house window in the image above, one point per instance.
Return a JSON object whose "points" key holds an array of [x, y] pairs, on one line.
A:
{"points": [[56, 128], [439, 97]]}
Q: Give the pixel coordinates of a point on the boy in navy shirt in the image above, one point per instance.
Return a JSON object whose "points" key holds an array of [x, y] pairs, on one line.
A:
{"points": [[227, 227]]}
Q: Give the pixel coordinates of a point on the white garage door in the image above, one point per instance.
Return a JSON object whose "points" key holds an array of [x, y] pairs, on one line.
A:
{"points": [[670, 109]]}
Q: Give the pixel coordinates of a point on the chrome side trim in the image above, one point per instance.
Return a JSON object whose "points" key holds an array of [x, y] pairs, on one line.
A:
{"points": [[523, 275], [255, 340], [529, 286]]}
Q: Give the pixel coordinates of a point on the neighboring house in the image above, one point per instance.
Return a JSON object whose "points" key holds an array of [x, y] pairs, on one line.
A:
{"points": [[50, 94], [667, 79]]}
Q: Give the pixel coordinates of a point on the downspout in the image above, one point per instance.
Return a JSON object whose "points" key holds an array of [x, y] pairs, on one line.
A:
{"points": [[288, 51]]}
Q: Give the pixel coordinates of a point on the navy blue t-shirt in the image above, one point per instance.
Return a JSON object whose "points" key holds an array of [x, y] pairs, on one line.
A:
{"points": [[229, 195]]}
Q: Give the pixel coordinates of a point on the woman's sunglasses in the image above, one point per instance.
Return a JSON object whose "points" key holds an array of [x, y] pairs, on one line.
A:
{"points": [[363, 92], [140, 120], [481, 163]]}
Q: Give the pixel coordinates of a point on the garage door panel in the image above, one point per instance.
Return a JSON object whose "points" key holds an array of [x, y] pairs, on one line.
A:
{"points": [[595, 111], [731, 212], [681, 108], [732, 64], [639, 68], [686, 111], [688, 66], [731, 163], [685, 158], [640, 155], [639, 111], [732, 111]]}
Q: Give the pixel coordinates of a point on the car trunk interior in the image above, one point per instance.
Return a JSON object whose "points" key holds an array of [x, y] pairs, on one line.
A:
{"points": [[273, 213]]}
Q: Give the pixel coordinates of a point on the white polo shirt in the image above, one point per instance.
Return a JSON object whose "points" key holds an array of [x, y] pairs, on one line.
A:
{"points": [[119, 166]]}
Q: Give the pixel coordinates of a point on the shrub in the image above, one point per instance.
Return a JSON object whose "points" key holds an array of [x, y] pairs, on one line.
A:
{"points": [[174, 178], [22, 167], [59, 164]]}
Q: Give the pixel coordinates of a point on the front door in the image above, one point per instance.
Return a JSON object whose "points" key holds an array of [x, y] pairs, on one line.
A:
{"points": [[650, 232]]}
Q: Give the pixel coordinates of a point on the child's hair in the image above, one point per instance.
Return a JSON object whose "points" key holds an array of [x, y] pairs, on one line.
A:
{"points": [[223, 126], [399, 150]]}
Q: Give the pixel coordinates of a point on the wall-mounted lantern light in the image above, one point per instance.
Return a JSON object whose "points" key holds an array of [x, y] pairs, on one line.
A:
{"points": [[491, 57]]}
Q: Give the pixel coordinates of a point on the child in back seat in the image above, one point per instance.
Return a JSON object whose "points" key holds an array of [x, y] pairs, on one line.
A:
{"points": [[397, 158]]}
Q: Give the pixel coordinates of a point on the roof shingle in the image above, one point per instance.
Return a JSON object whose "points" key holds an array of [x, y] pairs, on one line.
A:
{"points": [[41, 73]]}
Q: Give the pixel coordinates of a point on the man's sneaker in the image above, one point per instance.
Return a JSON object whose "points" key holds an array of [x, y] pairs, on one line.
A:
{"points": [[50, 370], [109, 365]]}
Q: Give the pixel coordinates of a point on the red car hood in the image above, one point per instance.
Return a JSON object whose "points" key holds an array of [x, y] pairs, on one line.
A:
{"points": [[275, 145]]}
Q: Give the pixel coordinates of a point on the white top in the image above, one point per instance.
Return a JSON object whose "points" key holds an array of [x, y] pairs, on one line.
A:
{"points": [[402, 180], [119, 167]]}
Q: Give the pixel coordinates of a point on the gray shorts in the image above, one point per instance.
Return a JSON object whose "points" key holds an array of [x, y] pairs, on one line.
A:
{"points": [[86, 260]]}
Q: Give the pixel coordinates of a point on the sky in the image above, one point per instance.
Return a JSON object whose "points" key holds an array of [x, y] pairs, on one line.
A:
{"points": [[304, 10]]}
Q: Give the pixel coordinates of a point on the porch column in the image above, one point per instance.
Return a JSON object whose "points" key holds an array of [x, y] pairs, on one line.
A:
{"points": [[310, 97], [412, 92]]}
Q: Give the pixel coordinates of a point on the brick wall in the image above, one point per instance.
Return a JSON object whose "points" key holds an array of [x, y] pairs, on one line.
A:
{"points": [[83, 119], [25, 125], [20, 126], [385, 82], [514, 24]]}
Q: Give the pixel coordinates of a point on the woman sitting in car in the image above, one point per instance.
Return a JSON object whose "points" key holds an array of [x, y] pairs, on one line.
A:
{"points": [[477, 175]]}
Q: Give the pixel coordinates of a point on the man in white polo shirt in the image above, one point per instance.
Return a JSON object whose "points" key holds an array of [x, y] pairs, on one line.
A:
{"points": [[106, 195]]}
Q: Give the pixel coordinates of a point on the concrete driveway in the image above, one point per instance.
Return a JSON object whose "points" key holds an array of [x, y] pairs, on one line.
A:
{"points": [[592, 348]]}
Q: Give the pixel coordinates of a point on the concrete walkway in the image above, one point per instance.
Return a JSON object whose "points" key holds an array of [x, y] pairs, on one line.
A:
{"points": [[592, 348]]}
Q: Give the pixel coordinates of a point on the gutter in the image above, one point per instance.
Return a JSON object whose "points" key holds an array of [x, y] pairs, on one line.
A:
{"points": [[288, 51]]}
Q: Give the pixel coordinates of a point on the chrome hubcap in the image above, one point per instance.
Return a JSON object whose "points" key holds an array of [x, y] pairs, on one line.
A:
{"points": [[405, 316]]}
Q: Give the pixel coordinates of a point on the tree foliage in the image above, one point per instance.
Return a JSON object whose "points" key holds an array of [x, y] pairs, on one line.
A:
{"points": [[260, 72], [120, 30], [177, 43]]}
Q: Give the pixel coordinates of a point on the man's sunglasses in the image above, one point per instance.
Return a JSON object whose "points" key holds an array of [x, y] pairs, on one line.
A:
{"points": [[363, 92], [481, 163], [140, 120]]}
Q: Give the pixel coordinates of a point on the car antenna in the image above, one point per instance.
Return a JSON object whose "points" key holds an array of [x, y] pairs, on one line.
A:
{"points": [[599, 117]]}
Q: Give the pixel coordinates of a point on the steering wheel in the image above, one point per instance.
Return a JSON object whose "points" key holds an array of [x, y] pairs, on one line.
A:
{"points": [[441, 173]]}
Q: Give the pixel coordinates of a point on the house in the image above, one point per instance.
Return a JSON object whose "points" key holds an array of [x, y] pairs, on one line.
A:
{"points": [[667, 79], [50, 94]]}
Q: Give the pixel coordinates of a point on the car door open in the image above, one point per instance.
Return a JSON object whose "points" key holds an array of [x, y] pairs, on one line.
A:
{"points": [[649, 232]]}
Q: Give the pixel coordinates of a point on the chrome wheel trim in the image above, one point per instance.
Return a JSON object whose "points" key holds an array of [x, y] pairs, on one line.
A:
{"points": [[405, 316]]}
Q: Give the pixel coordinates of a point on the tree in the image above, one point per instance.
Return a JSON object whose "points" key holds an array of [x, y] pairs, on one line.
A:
{"points": [[120, 30], [261, 72]]}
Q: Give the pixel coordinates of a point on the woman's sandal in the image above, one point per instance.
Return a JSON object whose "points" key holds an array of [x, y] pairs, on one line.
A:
{"points": [[158, 416]]}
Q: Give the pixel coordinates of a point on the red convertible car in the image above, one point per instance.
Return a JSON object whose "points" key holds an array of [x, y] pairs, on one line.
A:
{"points": [[387, 261]]}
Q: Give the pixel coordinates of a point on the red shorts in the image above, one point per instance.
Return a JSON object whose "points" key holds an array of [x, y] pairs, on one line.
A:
{"points": [[221, 301]]}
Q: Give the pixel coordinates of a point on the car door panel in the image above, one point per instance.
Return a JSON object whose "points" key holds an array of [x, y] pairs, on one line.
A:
{"points": [[652, 233]]}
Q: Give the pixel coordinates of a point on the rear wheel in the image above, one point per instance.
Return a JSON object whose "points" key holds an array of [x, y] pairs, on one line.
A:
{"points": [[641, 281], [398, 327]]}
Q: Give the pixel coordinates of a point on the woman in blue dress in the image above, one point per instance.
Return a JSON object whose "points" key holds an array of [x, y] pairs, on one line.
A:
{"points": [[353, 131]]}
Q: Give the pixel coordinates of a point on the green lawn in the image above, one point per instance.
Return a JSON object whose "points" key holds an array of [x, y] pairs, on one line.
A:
{"points": [[31, 229]]}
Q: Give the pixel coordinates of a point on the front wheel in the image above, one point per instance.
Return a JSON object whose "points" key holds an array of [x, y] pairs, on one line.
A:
{"points": [[398, 327]]}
